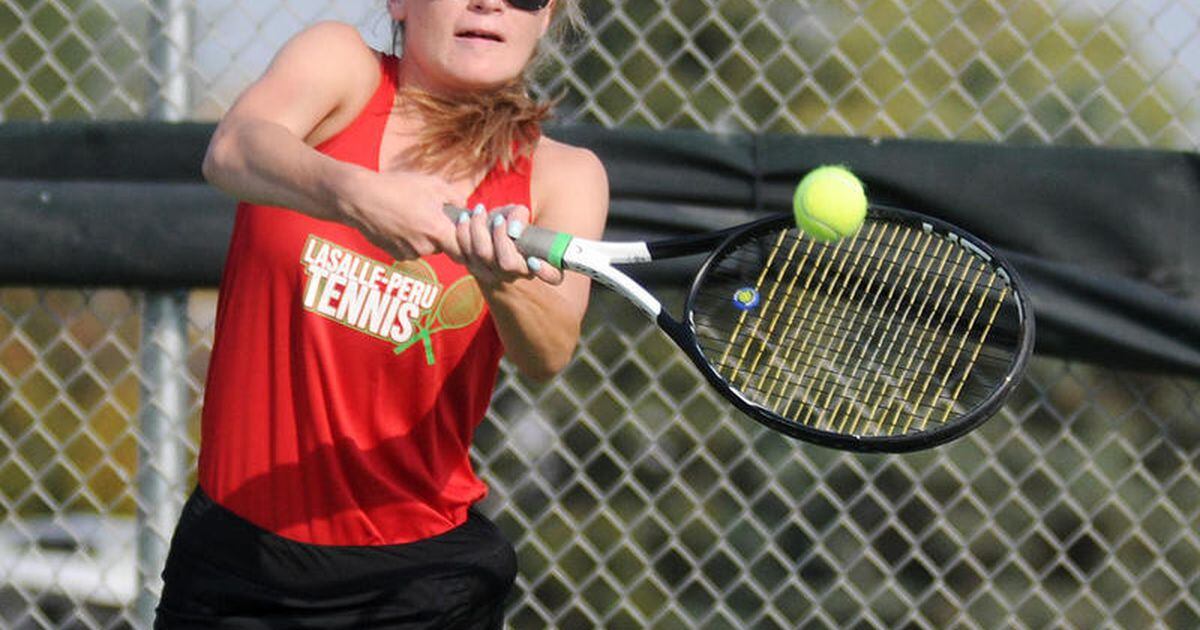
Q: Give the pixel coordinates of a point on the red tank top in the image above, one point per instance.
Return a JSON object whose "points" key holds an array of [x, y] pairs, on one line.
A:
{"points": [[344, 388]]}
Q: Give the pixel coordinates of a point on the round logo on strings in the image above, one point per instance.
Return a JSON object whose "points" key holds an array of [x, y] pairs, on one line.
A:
{"points": [[745, 298]]}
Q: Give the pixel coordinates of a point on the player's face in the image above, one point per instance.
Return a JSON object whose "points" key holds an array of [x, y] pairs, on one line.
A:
{"points": [[456, 45]]}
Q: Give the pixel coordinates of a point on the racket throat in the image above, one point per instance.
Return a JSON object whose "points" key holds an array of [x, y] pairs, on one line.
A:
{"points": [[595, 259], [616, 280]]}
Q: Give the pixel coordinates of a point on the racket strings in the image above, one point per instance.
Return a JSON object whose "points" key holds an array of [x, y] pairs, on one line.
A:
{"points": [[887, 377], [859, 361], [876, 335], [774, 250], [854, 389], [827, 309], [862, 362], [930, 350], [841, 326], [748, 257], [775, 311], [903, 424]]}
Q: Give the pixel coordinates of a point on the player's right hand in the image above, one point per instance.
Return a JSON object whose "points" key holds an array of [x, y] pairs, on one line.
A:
{"points": [[401, 213]]}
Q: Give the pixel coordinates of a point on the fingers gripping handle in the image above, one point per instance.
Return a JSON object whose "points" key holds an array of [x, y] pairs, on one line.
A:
{"points": [[548, 245]]}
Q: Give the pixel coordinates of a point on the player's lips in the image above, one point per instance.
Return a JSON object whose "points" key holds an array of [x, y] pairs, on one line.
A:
{"points": [[479, 34]]}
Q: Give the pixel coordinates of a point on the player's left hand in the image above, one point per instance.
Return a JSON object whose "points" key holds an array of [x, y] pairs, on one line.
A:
{"points": [[489, 251]]}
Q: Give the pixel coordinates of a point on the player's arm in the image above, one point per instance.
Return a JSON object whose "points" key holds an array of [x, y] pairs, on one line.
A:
{"points": [[539, 322], [262, 150], [259, 152]]}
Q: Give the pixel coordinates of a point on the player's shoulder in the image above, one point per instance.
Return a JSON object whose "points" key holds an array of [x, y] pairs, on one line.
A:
{"points": [[329, 46], [343, 37], [566, 160], [570, 188]]}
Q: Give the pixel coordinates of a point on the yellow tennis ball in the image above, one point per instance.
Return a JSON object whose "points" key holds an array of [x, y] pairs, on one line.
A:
{"points": [[830, 203]]}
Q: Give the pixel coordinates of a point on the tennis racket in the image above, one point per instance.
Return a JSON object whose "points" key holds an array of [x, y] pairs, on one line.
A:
{"points": [[457, 307], [903, 337]]}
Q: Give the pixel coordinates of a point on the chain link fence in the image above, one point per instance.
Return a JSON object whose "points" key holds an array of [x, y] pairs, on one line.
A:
{"points": [[635, 498]]}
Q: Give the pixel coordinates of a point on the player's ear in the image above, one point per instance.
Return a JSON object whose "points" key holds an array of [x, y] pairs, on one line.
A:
{"points": [[547, 17], [397, 10]]}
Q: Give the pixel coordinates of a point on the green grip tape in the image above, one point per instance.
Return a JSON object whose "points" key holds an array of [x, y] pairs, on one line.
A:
{"points": [[559, 247]]}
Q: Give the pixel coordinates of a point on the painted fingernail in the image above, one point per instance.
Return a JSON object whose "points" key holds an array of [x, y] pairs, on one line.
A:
{"points": [[497, 220], [479, 209], [534, 264], [515, 229], [463, 217]]}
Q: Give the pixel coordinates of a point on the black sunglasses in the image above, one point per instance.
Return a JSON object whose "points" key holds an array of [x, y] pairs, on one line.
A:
{"points": [[528, 5]]}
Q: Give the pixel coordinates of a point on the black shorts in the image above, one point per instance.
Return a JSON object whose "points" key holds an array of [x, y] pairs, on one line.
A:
{"points": [[224, 572]]}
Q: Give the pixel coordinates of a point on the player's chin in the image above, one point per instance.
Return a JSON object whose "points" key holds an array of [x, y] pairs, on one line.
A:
{"points": [[482, 75], [477, 84]]}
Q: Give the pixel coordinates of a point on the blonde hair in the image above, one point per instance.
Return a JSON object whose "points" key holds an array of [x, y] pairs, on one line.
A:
{"points": [[469, 133]]}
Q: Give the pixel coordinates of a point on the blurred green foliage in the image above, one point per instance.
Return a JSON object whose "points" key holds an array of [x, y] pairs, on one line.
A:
{"points": [[1000, 70]]}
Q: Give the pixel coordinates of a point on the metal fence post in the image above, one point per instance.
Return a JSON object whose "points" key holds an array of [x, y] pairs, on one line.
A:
{"points": [[162, 456]]}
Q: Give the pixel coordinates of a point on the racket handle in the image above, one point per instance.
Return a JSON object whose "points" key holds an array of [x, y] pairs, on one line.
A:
{"points": [[549, 245]]}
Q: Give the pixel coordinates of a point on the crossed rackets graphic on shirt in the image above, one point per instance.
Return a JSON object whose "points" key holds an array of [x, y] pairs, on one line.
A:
{"points": [[456, 307]]}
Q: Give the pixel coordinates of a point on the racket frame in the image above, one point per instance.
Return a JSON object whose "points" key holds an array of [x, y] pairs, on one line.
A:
{"points": [[683, 333]]}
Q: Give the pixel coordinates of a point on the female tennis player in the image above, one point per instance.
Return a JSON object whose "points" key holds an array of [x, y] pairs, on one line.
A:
{"points": [[359, 330]]}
